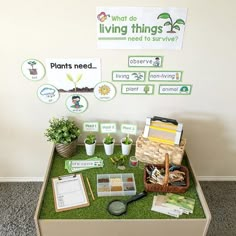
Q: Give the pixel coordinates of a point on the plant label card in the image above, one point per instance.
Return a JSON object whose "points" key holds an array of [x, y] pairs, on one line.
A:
{"points": [[69, 192], [74, 75], [128, 129], [107, 128], [91, 127]]}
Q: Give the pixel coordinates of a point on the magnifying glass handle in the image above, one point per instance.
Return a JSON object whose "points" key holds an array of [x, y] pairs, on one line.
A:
{"points": [[136, 197]]}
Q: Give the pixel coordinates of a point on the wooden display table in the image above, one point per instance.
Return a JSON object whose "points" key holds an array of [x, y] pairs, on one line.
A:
{"points": [[95, 221]]}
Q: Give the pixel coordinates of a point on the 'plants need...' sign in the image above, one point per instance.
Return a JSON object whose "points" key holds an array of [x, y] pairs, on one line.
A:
{"points": [[140, 27]]}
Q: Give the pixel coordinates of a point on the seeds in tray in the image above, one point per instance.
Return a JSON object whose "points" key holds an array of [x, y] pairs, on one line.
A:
{"points": [[115, 180], [116, 188], [129, 188], [103, 189], [103, 180], [130, 179]]}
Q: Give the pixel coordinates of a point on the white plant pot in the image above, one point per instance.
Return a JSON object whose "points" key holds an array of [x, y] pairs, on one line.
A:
{"points": [[90, 148], [125, 148], [109, 148]]}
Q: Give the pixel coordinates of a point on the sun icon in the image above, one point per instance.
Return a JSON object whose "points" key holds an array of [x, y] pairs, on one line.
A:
{"points": [[104, 90]]}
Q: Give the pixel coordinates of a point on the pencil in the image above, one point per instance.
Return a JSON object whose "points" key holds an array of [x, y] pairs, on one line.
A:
{"points": [[90, 189]]}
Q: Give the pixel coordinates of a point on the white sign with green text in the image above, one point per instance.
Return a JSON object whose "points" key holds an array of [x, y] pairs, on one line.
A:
{"points": [[140, 27], [107, 128], [175, 89], [165, 76], [91, 127], [144, 89], [128, 129]]}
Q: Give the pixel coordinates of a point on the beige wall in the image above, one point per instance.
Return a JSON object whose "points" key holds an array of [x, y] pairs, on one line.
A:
{"points": [[59, 29]]}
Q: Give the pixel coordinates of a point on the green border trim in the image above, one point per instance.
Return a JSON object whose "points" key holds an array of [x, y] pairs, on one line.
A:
{"points": [[39, 63], [128, 81], [152, 85], [162, 59], [177, 81], [80, 96], [51, 86], [190, 92], [108, 83]]}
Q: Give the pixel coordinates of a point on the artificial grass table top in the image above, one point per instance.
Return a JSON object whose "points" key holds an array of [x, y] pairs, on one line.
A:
{"points": [[140, 209]]}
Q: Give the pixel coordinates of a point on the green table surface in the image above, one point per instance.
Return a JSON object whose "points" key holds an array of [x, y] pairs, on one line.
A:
{"points": [[140, 209]]}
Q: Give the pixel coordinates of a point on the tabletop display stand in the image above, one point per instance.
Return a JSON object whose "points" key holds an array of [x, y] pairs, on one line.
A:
{"points": [[118, 227]]}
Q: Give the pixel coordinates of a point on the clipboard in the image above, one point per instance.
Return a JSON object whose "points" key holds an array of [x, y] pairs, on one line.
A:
{"points": [[69, 192]]}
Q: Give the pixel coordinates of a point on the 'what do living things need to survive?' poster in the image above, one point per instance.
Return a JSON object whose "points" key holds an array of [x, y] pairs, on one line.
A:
{"points": [[140, 27]]}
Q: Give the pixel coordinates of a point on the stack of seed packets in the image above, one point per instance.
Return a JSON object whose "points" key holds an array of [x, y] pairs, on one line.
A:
{"points": [[73, 166], [173, 204]]}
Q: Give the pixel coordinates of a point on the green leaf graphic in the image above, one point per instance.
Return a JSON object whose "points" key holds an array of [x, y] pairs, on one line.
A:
{"points": [[164, 16], [179, 21], [167, 23], [176, 27]]}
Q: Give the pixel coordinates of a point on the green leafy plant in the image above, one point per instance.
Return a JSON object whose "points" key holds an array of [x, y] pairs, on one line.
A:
{"points": [[32, 63], [90, 139], [170, 23], [62, 131], [108, 139], [70, 78], [138, 76], [127, 140]]}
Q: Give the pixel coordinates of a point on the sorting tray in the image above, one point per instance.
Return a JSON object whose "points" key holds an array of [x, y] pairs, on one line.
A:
{"points": [[116, 184]]}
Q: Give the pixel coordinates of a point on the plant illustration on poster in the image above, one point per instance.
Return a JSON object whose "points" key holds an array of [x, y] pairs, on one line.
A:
{"points": [[104, 91], [74, 75], [140, 27], [48, 93], [33, 69], [76, 103], [138, 76]]}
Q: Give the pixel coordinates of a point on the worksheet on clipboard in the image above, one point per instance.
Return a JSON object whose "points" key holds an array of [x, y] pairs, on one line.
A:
{"points": [[69, 192]]}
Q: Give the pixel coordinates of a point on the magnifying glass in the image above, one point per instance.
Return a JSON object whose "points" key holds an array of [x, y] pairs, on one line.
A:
{"points": [[118, 207]]}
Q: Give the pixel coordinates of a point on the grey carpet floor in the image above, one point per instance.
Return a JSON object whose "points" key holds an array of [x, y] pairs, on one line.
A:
{"points": [[18, 203]]}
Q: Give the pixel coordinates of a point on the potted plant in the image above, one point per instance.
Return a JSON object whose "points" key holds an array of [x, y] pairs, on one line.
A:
{"points": [[90, 143], [126, 144], [64, 134], [109, 143]]}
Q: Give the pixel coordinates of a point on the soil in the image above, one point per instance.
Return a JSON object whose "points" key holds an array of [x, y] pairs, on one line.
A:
{"points": [[78, 90]]}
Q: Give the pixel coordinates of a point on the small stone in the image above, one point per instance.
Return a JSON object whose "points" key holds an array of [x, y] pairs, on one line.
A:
{"points": [[121, 167]]}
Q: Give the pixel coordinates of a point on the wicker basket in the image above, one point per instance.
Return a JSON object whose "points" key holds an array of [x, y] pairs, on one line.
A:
{"points": [[67, 150], [154, 153], [166, 188]]}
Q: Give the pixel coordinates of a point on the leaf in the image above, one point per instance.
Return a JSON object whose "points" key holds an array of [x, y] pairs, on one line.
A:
{"points": [[164, 16], [180, 22], [167, 23], [79, 77], [69, 77], [176, 27]]}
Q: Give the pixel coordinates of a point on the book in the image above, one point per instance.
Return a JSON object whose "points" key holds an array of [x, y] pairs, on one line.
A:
{"points": [[158, 206], [179, 201], [173, 204]]}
